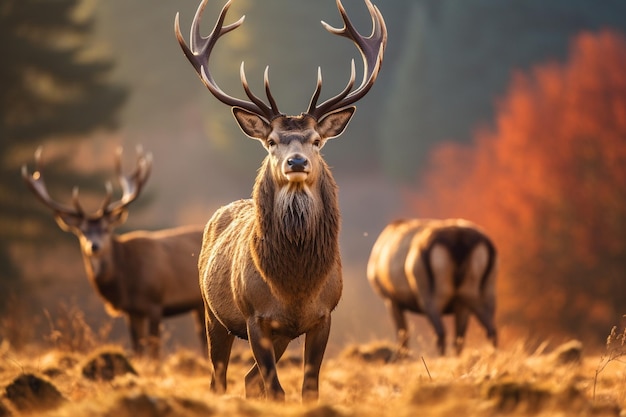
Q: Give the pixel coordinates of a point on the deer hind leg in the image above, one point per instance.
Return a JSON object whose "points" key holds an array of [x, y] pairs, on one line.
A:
{"points": [[461, 318], [484, 309], [314, 347], [260, 338], [255, 387], [484, 312], [220, 343], [201, 328], [435, 320], [436, 291], [480, 301]]}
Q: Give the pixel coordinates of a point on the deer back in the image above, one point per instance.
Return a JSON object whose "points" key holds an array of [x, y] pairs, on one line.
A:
{"points": [[158, 269]]}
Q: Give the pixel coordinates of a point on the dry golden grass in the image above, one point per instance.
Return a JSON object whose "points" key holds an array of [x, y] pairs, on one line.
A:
{"points": [[357, 382], [78, 374]]}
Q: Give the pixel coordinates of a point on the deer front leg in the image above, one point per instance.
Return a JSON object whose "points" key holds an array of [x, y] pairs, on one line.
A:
{"points": [[254, 382], [314, 347], [260, 338]]}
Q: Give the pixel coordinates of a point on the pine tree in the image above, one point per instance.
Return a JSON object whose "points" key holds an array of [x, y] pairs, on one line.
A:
{"points": [[51, 86]]}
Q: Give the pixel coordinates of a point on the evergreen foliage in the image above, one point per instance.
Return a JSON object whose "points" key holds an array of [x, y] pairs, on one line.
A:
{"points": [[52, 85]]}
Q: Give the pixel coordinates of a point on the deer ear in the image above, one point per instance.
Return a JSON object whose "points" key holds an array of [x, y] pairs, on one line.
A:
{"points": [[333, 124], [252, 124], [67, 222]]}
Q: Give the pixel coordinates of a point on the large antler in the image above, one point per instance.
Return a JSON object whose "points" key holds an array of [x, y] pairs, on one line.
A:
{"points": [[131, 186], [37, 185], [371, 48], [198, 54]]}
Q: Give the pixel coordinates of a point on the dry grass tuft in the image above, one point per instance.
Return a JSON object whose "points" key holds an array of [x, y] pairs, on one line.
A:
{"points": [[145, 405], [527, 397], [615, 350], [70, 332], [381, 352], [4, 410], [568, 353], [106, 364], [188, 363], [29, 392], [324, 410]]}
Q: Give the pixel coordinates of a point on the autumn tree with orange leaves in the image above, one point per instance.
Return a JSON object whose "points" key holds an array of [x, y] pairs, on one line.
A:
{"points": [[548, 183]]}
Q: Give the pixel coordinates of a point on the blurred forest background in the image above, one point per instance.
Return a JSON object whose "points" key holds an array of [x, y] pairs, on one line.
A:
{"points": [[511, 114]]}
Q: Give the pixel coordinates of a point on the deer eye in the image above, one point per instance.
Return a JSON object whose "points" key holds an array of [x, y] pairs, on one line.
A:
{"points": [[317, 143], [270, 143]]}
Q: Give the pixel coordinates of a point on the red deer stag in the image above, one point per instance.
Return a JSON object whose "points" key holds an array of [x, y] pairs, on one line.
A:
{"points": [[270, 268], [145, 275], [435, 267]]}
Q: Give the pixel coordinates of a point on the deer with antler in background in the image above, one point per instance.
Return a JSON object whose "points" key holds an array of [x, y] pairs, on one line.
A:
{"points": [[146, 275], [270, 268]]}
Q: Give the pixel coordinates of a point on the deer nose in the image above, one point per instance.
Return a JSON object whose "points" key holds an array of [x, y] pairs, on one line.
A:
{"points": [[297, 163], [95, 247]]}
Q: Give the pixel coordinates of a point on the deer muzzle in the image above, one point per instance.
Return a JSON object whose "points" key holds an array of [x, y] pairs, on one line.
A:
{"points": [[296, 168]]}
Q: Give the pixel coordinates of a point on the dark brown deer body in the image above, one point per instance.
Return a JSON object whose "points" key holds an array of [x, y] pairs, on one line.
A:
{"points": [[145, 275], [435, 267], [270, 268]]}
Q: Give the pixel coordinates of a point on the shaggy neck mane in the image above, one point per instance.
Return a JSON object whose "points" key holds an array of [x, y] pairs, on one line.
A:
{"points": [[296, 233]]}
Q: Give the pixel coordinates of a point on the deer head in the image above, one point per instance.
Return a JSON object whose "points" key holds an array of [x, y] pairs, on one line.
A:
{"points": [[292, 142], [94, 230]]}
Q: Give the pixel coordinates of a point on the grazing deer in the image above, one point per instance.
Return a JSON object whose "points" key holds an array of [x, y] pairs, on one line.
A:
{"points": [[270, 268], [435, 267], [144, 275]]}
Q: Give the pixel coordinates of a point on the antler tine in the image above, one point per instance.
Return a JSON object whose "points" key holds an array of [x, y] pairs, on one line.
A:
{"points": [[328, 104], [267, 112], [107, 199], [268, 93], [372, 50], [200, 51], [37, 185], [131, 184], [76, 201], [38, 153]]}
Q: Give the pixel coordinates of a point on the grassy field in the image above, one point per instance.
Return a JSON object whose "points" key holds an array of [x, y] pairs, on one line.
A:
{"points": [[361, 380]]}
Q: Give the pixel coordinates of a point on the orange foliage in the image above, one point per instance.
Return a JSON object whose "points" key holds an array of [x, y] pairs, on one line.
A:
{"points": [[549, 184]]}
